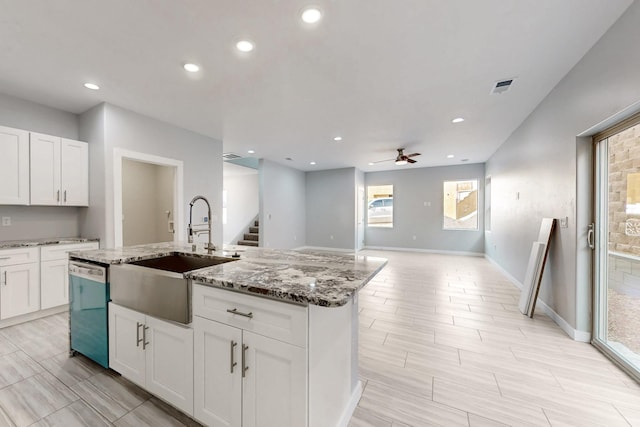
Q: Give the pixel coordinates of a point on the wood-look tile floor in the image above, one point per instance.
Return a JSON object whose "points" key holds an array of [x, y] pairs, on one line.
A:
{"points": [[441, 343]]}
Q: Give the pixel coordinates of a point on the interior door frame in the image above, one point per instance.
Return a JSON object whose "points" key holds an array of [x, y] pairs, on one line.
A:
{"points": [[119, 154]]}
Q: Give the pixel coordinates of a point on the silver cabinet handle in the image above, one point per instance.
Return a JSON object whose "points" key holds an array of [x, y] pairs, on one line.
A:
{"points": [[233, 344], [65, 195], [239, 313], [58, 196], [138, 340], [590, 237], [4, 257], [245, 368], [145, 343], [5, 278]]}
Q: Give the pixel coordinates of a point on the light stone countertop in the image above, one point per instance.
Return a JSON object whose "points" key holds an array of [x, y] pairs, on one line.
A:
{"points": [[9, 244], [327, 279]]}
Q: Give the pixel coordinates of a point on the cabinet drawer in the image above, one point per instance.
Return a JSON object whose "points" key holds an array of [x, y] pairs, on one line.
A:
{"points": [[19, 256], [279, 320], [53, 252]]}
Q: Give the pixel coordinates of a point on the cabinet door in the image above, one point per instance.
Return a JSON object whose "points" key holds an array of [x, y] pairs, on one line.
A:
{"points": [[19, 290], [126, 333], [14, 166], [54, 283], [275, 383], [169, 363], [45, 169], [75, 173], [218, 373]]}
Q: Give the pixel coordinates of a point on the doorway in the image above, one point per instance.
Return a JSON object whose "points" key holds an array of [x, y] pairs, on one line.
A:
{"points": [[147, 198], [617, 245]]}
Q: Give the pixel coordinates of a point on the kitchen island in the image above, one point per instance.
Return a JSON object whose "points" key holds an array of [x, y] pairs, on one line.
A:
{"points": [[273, 337]]}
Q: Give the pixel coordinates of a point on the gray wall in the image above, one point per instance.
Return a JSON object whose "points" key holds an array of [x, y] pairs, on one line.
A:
{"points": [[120, 128], [282, 206], [418, 210], [33, 222], [330, 206], [539, 162]]}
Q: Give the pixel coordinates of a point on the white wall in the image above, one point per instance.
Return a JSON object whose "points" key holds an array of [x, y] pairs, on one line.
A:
{"points": [[33, 222], [539, 162], [412, 188], [282, 206], [361, 211], [147, 193], [120, 128], [330, 219], [242, 204]]}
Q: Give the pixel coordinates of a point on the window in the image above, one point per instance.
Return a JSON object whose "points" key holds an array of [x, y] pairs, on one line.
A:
{"points": [[461, 205], [380, 206]]}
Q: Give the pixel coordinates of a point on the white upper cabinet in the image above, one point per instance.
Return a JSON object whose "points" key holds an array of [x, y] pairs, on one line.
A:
{"points": [[14, 166], [59, 171], [75, 172], [45, 169]]}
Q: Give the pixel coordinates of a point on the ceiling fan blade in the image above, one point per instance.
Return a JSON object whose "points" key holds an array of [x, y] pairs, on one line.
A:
{"points": [[411, 161], [382, 161], [413, 155]]}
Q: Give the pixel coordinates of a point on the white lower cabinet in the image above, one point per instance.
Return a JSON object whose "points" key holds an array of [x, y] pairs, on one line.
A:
{"points": [[244, 378], [54, 272], [19, 282], [54, 283], [274, 392], [156, 354], [19, 290]]}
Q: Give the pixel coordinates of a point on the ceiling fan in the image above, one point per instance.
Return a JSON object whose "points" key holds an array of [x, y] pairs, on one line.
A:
{"points": [[401, 158]]}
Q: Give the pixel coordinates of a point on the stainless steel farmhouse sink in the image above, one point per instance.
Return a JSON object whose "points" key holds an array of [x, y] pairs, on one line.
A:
{"points": [[157, 286]]}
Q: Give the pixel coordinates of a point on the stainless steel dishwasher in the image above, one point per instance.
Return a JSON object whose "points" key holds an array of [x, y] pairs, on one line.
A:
{"points": [[88, 319]]}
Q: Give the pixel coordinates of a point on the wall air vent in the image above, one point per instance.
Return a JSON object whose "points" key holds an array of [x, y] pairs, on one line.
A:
{"points": [[502, 86], [230, 156]]}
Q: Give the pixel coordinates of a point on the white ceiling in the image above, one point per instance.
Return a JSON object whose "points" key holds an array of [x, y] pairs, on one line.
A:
{"points": [[382, 74]]}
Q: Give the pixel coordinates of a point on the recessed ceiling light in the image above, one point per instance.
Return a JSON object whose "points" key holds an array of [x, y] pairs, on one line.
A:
{"points": [[457, 120], [370, 163], [245, 46], [450, 156], [337, 138], [92, 86], [312, 163], [251, 151], [311, 15], [192, 68]]}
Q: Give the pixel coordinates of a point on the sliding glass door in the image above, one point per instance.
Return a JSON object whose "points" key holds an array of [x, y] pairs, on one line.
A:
{"points": [[617, 245]]}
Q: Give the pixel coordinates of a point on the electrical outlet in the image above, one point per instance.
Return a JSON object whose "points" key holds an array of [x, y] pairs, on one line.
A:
{"points": [[564, 222], [414, 237], [6, 221], [331, 237]]}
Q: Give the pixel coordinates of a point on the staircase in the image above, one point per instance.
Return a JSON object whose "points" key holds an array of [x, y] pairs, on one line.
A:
{"points": [[253, 236]]}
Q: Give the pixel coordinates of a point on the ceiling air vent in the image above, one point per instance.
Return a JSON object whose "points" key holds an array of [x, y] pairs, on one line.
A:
{"points": [[501, 86], [230, 156]]}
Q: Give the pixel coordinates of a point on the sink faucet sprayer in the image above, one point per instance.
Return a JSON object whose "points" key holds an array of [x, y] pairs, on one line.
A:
{"points": [[191, 230]]}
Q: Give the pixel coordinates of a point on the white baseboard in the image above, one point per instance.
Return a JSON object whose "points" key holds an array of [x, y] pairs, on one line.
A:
{"points": [[351, 406], [32, 316], [427, 251], [576, 335], [321, 248]]}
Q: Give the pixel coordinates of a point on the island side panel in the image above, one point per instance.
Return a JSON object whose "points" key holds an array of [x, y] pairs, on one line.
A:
{"points": [[333, 394]]}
